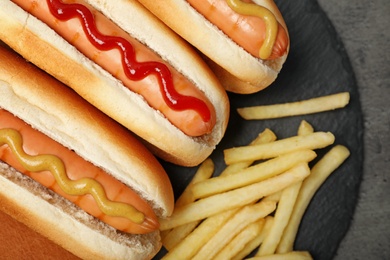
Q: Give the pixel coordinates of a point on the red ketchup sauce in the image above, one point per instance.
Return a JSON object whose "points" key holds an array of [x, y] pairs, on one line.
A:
{"points": [[134, 70]]}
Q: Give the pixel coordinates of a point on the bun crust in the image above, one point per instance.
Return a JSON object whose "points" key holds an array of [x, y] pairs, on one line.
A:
{"points": [[43, 47], [60, 113], [239, 71]]}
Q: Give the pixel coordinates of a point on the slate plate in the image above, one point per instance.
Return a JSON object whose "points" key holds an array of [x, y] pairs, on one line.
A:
{"points": [[317, 65]]}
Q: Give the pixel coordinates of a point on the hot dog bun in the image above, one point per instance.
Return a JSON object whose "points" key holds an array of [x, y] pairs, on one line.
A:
{"points": [[238, 70], [39, 44], [61, 114]]}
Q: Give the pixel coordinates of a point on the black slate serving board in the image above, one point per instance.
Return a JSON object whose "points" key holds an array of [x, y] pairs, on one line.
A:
{"points": [[317, 65]]}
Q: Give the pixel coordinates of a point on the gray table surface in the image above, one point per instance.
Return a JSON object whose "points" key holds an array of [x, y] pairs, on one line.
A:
{"points": [[364, 28]]}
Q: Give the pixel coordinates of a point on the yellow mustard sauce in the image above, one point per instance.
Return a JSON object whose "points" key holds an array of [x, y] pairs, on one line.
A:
{"points": [[79, 187], [269, 18]]}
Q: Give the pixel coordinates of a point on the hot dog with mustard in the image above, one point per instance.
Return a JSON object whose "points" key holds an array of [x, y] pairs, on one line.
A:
{"points": [[246, 42], [70, 172]]}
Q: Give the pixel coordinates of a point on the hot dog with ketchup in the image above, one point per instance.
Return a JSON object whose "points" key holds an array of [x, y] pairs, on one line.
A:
{"points": [[69, 171], [246, 42], [124, 61]]}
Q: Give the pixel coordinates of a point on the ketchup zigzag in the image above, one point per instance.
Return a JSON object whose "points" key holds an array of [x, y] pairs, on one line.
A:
{"points": [[134, 70]]}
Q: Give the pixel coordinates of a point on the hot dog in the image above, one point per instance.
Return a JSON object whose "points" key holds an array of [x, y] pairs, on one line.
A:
{"points": [[246, 42], [127, 63], [71, 172]]}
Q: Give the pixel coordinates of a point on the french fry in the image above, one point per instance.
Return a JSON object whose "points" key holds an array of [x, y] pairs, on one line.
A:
{"points": [[320, 171], [204, 172], [195, 240], [216, 217], [267, 136], [250, 175], [233, 226], [281, 219], [285, 206], [235, 168], [305, 128], [174, 236], [294, 255], [238, 243], [273, 197], [252, 245], [218, 203], [265, 151], [309, 106], [177, 234]]}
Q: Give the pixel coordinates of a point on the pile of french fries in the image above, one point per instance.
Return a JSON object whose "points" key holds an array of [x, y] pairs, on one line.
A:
{"points": [[256, 203]]}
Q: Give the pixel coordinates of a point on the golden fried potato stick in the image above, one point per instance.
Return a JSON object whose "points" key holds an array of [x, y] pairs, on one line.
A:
{"points": [[273, 197], [245, 216], [294, 255], [304, 107], [204, 172], [252, 174], [285, 206], [281, 219], [218, 203], [238, 243], [305, 128], [177, 234], [195, 240], [267, 136], [312, 141], [174, 236], [320, 171], [255, 243]]}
